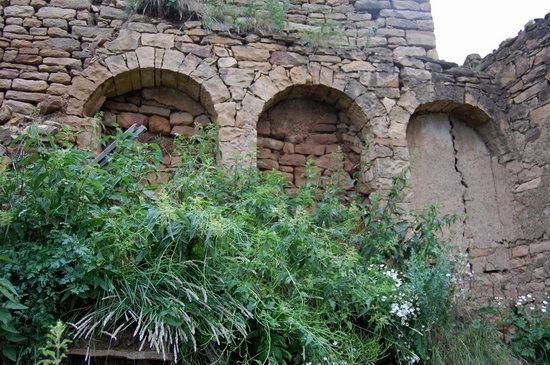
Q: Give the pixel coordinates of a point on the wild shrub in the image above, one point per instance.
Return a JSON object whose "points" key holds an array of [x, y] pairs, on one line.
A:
{"points": [[526, 322], [462, 340], [10, 337], [56, 346], [220, 264]]}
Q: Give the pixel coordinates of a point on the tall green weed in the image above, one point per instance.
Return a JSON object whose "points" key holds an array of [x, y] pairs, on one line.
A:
{"points": [[219, 264]]}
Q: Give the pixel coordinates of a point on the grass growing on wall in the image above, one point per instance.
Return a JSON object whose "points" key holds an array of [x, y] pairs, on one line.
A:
{"points": [[263, 16], [219, 264], [254, 15]]}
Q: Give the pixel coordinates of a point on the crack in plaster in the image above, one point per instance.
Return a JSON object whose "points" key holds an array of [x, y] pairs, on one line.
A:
{"points": [[462, 180]]}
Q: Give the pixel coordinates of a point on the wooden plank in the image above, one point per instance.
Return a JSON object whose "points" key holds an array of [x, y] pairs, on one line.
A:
{"points": [[131, 133], [124, 354]]}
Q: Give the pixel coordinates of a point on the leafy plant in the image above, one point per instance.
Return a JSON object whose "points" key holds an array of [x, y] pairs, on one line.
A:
{"points": [[321, 36], [253, 15], [10, 337], [277, 12], [56, 346], [528, 324], [220, 263]]}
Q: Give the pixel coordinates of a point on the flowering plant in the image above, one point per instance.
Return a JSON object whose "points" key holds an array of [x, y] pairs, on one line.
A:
{"points": [[527, 323]]}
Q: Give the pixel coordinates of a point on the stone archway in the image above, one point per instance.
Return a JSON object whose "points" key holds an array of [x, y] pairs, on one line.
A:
{"points": [[317, 123], [146, 67], [455, 165], [164, 90]]}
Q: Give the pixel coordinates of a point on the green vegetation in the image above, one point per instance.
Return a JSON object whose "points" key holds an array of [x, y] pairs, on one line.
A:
{"points": [[56, 346], [463, 341], [221, 264], [264, 16], [530, 324], [255, 15], [10, 337], [320, 37]]}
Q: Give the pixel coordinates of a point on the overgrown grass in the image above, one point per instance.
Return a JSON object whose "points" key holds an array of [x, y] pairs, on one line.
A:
{"points": [[254, 15], [219, 264], [462, 341], [266, 17]]}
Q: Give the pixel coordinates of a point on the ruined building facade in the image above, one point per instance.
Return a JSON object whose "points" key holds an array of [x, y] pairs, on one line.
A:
{"points": [[474, 139]]}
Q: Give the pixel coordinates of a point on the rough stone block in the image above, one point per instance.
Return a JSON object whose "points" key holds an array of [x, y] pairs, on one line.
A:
{"points": [[92, 32], [70, 63], [181, 119], [19, 107], [237, 77], [159, 125], [310, 149], [181, 130], [293, 160], [5, 84], [158, 40], [419, 38], [29, 85], [18, 11], [126, 120], [53, 12], [109, 12], [154, 110], [71, 4], [541, 114], [248, 53]]}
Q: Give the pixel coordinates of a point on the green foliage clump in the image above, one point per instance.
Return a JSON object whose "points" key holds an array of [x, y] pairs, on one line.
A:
{"points": [[264, 16], [56, 346], [469, 342], [219, 264], [527, 322], [10, 336], [320, 36]]}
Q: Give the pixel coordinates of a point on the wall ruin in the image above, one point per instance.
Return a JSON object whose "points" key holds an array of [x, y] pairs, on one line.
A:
{"points": [[379, 85]]}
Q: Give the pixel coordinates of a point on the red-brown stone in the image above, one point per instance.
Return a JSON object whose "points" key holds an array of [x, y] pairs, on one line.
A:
{"points": [[310, 149], [183, 130], [324, 138], [126, 120], [159, 125], [293, 160], [268, 164]]}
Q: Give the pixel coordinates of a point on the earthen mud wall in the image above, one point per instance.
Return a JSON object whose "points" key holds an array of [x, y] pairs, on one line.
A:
{"points": [[474, 137]]}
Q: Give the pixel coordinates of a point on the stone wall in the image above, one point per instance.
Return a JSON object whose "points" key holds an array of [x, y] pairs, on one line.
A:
{"points": [[65, 60], [521, 67], [297, 130]]}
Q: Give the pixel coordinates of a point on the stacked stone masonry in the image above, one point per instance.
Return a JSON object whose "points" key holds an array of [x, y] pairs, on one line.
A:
{"points": [[377, 93]]}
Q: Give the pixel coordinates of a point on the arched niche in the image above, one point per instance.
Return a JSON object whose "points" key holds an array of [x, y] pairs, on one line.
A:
{"points": [[317, 123], [454, 164], [165, 112], [167, 102]]}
